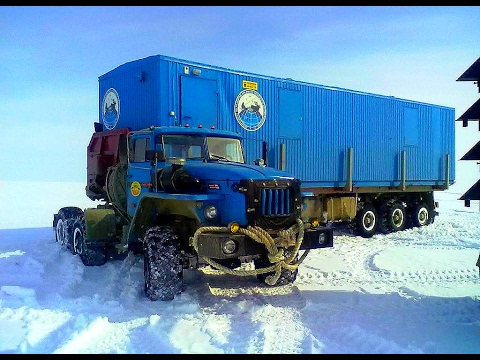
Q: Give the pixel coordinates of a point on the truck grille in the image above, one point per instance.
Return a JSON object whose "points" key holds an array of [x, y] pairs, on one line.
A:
{"points": [[276, 202], [272, 204]]}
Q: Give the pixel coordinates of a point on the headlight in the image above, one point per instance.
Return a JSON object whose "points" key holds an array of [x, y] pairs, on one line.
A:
{"points": [[210, 212], [229, 246]]}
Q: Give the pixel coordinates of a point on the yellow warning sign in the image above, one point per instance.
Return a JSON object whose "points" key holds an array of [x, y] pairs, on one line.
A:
{"points": [[135, 188], [250, 85]]}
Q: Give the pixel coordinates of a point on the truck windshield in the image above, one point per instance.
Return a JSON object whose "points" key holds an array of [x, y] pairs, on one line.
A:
{"points": [[182, 146], [226, 149], [195, 147]]}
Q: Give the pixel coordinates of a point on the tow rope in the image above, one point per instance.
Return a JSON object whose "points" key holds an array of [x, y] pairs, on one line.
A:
{"points": [[275, 252]]}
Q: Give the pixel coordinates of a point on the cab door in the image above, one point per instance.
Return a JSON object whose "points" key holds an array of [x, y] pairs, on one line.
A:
{"points": [[139, 172]]}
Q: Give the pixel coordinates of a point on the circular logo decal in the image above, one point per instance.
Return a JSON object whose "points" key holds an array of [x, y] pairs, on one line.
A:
{"points": [[110, 108], [250, 110], [135, 188]]}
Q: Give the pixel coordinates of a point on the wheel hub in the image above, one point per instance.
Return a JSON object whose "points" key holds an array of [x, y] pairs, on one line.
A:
{"points": [[369, 220]]}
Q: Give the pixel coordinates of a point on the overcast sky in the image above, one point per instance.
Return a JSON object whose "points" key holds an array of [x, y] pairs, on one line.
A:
{"points": [[51, 58]]}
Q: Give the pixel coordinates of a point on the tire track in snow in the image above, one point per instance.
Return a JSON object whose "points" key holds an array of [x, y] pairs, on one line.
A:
{"points": [[243, 305], [354, 322], [356, 262]]}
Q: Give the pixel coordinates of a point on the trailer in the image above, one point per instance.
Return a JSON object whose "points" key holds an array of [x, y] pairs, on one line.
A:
{"points": [[369, 160]]}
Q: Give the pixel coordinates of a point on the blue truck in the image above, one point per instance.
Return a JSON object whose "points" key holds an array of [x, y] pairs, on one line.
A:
{"points": [[198, 165]]}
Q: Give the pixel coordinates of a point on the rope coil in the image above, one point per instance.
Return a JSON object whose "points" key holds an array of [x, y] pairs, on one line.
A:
{"points": [[275, 251]]}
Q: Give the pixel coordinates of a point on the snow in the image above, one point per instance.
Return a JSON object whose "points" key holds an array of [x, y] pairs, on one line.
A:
{"points": [[416, 291]]}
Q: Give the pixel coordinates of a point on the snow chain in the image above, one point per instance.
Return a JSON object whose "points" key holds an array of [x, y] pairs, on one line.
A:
{"points": [[275, 254]]}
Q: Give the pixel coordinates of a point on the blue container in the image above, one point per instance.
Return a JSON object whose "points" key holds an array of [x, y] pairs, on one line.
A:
{"points": [[303, 128]]}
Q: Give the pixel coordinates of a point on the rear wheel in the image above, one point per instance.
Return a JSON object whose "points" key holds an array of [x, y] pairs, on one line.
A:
{"points": [[64, 226], [163, 270], [367, 221], [395, 218], [91, 254], [420, 215]]}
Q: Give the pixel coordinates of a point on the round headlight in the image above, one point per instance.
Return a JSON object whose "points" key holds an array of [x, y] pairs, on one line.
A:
{"points": [[229, 246], [210, 212]]}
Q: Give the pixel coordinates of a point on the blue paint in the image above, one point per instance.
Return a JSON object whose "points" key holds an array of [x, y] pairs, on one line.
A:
{"points": [[316, 123]]}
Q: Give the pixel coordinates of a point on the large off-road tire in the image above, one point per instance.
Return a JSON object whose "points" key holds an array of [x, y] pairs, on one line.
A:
{"points": [[91, 254], [394, 218], [286, 276], [420, 215], [366, 221], [162, 259], [64, 226]]}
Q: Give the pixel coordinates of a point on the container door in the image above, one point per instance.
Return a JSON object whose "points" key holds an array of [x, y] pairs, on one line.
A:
{"points": [[199, 102], [437, 146], [290, 130], [290, 124]]}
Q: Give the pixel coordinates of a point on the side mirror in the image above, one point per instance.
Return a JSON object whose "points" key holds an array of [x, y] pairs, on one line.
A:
{"points": [[153, 155], [260, 162]]}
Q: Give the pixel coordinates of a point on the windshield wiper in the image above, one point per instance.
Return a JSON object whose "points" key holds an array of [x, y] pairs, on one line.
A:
{"points": [[219, 157], [195, 158]]}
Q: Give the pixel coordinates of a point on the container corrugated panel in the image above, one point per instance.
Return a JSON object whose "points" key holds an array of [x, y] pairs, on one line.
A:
{"points": [[315, 124], [134, 102]]}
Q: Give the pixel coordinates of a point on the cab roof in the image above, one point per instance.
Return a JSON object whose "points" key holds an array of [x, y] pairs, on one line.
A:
{"points": [[186, 130]]}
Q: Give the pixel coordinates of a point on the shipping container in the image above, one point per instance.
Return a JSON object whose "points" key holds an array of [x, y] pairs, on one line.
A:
{"points": [[306, 129], [360, 156]]}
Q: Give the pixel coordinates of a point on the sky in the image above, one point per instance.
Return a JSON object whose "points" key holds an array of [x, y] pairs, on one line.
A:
{"points": [[51, 58], [410, 292]]}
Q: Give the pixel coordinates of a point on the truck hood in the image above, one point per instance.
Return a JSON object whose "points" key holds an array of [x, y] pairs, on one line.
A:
{"points": [[232, 171]]}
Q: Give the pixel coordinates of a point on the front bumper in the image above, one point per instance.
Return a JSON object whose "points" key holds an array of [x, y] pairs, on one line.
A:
{"points": [[212, 244]]}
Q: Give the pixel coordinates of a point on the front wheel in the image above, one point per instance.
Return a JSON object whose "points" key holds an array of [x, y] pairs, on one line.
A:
{"points": [[91, 254], [162, 263]]}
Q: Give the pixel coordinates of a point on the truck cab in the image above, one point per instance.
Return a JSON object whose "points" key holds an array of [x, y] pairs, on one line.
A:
{"points": [[185, 198], [199, 176]]}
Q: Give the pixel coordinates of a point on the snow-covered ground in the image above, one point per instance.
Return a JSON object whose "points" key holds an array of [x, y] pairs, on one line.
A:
{"points": [[417, 291]]}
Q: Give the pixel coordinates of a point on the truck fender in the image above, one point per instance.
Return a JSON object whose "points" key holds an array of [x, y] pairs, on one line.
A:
{"points": [[166, 206], [100, 224]]}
